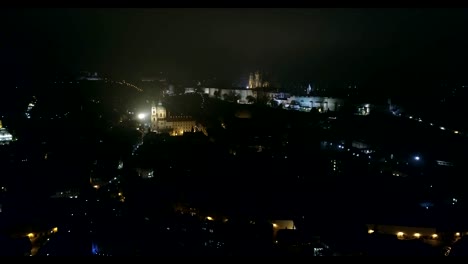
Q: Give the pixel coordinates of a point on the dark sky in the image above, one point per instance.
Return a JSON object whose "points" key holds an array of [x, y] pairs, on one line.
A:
{"points": [[387, 46]]}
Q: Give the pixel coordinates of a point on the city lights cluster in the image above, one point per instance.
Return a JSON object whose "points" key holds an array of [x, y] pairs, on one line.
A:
{"points": [[30, 107]]}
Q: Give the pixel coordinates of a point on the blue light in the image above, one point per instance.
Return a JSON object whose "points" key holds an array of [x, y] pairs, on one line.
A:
{"points": [[417, 158], [94, 249], [427, 205]]}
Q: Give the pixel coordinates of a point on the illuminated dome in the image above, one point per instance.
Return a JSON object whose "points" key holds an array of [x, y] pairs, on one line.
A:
{"points": [[160, 108]]}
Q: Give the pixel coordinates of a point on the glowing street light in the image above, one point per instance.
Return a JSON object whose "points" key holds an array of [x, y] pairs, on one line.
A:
{"points": [[141, 116], [417, 158]]}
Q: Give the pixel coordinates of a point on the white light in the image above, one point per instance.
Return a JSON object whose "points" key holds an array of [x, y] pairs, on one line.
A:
{"points": [[442, 128], [417, 158], [141, 116]]}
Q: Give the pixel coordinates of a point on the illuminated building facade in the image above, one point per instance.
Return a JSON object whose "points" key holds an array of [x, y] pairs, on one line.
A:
{"points": [[255, 81], [176, 125], [322, 104], [5, 136]]}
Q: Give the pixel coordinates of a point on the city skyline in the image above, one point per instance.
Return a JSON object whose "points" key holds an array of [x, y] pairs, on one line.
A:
{"points": [[233, 132]]}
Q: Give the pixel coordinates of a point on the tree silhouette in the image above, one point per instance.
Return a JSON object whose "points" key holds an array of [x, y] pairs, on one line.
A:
{"points": [[250, 99], [231, 96]]}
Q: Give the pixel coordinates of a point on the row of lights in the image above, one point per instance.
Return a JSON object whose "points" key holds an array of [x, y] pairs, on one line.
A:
{"points": [[129, 84], [416, 235], [32, 235], [441, 128]]}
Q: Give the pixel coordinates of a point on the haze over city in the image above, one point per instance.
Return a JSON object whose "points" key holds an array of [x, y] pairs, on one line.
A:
{"points": [[384, 48], [233, 132]]}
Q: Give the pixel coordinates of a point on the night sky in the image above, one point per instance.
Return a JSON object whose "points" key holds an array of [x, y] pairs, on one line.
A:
{"points": [[380, 46]]}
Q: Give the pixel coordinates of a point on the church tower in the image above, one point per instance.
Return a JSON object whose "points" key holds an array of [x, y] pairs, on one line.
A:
{"points": [[251, 81], [153, 117], [158, 115], [258, 81]]}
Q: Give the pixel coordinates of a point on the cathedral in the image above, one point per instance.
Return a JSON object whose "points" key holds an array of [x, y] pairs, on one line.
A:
{"points": [[175, 125], [255, 81]]}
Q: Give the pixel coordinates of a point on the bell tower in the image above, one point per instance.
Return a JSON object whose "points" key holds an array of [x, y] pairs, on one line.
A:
{"points": [[251, 81], [158, 116], [258, 80], [154, 118]]}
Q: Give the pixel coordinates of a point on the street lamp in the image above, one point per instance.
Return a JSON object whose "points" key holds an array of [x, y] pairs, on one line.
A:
{"points": [[141, 116]]}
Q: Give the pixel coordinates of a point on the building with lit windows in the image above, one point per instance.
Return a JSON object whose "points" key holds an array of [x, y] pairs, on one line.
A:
{"points": [[5, 136], [175, 125]]}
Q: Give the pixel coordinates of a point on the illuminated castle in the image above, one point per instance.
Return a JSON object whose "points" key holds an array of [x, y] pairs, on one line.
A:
{"points": [[255, 81], [176, 125]]}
